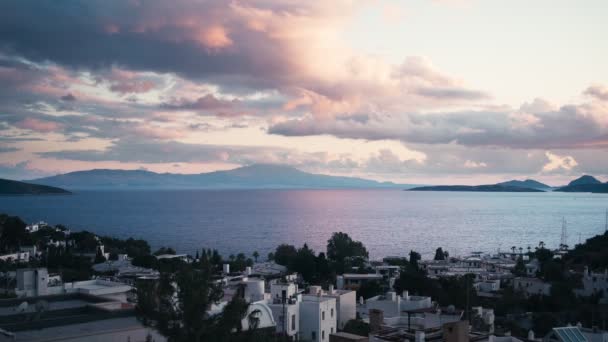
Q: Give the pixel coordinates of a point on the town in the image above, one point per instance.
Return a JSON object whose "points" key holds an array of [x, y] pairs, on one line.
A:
{"points": [[63, 285]]}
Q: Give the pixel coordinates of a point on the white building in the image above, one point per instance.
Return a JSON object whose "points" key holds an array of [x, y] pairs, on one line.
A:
{"points": [[32, 282], [284, 302], [594, 283], [16, 257], [346, 304], [352, 281], [35, 227], [487, 285], [531, 286], [393, 305], [318, 318]]}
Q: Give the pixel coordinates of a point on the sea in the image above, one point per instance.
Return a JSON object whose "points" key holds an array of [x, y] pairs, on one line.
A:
{"points": [[388, 222]]}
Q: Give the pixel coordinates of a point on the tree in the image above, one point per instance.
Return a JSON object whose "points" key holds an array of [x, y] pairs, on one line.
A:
{"points": [[284, 254], [12, 232], [178, 304], [440, 254], [256, 255], [369, 289], [357, 327], [341, 246], [520, 268], [305, 263], [99, 257], [165, 250], [414, 258]]}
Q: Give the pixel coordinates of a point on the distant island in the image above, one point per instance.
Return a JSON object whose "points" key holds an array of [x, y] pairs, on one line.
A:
{"points": [[476, 188], [257, 176], [585, 183], [528, 183], [11, 187]]}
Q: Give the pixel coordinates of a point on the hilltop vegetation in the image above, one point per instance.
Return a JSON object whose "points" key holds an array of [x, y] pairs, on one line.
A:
{"points": [[11, 187]]}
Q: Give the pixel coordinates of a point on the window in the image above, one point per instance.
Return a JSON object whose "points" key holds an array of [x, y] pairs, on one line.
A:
{"points": [[323, 315], [293, 322], [322, 335], [313, 335], [331, 330], [332, 313]]}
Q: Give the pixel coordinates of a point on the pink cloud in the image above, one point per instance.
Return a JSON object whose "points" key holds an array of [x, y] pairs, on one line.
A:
{"points": [[38, 125]]}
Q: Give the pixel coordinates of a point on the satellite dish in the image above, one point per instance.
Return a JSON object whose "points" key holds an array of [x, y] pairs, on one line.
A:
{"points": [[22, 307]]}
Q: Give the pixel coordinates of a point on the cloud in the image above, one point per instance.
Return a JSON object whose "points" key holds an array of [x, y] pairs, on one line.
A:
{"points": [[556, 162], [21, 170], [207, 104], [571, 126], [598, 91], [8, 149], [68, 97], [38, 125]]}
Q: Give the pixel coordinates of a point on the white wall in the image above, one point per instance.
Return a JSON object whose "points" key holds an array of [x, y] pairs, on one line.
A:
{"points": [[311, 318]]}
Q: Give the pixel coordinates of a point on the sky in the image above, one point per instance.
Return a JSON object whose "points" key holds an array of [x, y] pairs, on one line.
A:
{"points": [[410, 91]]}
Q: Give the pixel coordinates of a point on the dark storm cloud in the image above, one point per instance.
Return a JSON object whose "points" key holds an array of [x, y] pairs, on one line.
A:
{"points": [[152, 35]]}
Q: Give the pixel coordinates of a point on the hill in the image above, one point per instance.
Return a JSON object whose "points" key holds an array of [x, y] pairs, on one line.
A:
{"points": [[258, 176], [528, 183], [601, 188], [585, 183], [11, 187], [476, 188], [584, 180]]}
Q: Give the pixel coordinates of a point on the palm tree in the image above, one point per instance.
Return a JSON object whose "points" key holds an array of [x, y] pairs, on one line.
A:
{"points": [[529, 249], [541, 244], [513, 249], [256, 255], [521, 251]]}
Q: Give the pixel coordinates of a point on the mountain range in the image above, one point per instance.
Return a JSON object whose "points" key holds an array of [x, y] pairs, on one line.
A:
{"points": [[263, 176], [257, 176]]}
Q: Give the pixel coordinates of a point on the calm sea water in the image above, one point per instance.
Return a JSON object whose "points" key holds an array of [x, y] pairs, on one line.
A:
{"points": [[389, 222]]}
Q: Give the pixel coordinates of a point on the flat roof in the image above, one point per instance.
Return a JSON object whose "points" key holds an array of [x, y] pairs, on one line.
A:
{"points": [[362, 276]]}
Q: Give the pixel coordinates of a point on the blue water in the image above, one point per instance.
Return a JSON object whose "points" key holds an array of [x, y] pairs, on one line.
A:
{"points": [[389, 222]]}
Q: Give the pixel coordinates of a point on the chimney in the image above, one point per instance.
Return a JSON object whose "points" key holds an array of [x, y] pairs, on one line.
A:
{"points": [[226, 268], [406, 295], [376, 318], [248, 270], [331, 289], [530, 335]]}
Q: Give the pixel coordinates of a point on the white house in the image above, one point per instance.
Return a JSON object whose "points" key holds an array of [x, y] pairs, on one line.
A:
{"points": [[284, 302], [346, 304], [318, 318], [531, 286], [487, 285], [594, 283], [393, 305]]}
